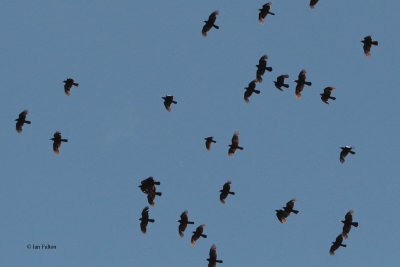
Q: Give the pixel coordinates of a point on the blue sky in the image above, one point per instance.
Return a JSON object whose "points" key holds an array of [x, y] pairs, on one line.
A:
{"points": [[126, 55]]}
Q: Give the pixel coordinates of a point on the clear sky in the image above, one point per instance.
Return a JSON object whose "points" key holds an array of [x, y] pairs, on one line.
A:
{"points": [[126, 55]]}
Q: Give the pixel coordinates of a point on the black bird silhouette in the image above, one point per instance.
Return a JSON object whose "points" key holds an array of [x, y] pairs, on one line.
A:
{"points": [[250, 89], [210, 23], [348, 223], [68, 85], [313, 3], [261, 67], [57, 139], [280, 81], [337, 244], [282, 215], [345, 151], [225, 191], [264, 12], [289, 207], [301, 82], [145, 220], [148, 184], [151, 195], [212, 261], [168, 100], [196, 235], [183, 222], [326, 95], [368, 44], [209, 140], [235, 144], [21, 120]]}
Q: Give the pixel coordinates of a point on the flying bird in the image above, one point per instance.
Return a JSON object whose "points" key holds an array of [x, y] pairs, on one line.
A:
{"points": [[196, 235], [261, 67], [183, 222], [280, 81], [151, 195], [368, 44], [326, 95], [289, 207], [348, 223], [57, 139], [148, 184], [345, 151], [209, 140], [282, 215], [225, 191], [301, 81], [264, 12], [335, 245], [145, 220], [235, 144], [168, 100], [212, 260], [250, 89], [210, 23], [68, 85], [313, 3], [21, 120]]}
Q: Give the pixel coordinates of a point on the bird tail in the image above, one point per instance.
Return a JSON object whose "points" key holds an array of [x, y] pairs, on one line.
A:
{"points": [[158, 193], [204, 34], [355, 224], [345, 236], [232, 193], [259, 79], [181, 234], [298, 95], [28, 122], [239, 147], [193, 242], [285, 85], [174, 102], [205, 236], [268, 69], [190, 222], [222, 200], [64, 140], [151, 220], [332, 97], [330, 252], [76, 84], [261, 20], [375, 43], [215, 26], [273, 14], [308, 83], [257, 92]]}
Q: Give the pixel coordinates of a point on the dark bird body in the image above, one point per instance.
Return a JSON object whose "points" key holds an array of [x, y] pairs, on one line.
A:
{"points": [[145, 220], [345, 151], [264, 11], [313, 3], [282, 215], [21, 120], [368, 44], [326, 95], [212, 260], [335, 245], [280, 81], [210, 23], [250, 89], [183, 222], [68, 85], [301, 81], [348, 223], [262, 67], [235, 144], [209, 140], [197, 234], [57, 139], [168, 100], [290, 205], [148, 184], [151, 195], [226, 190]]}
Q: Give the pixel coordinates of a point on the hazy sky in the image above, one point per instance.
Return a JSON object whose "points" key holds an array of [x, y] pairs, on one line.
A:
{"points": [[126, 55]]}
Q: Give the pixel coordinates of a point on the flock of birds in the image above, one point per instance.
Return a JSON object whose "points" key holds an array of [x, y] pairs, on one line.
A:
{"points": [[148, 186]]}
